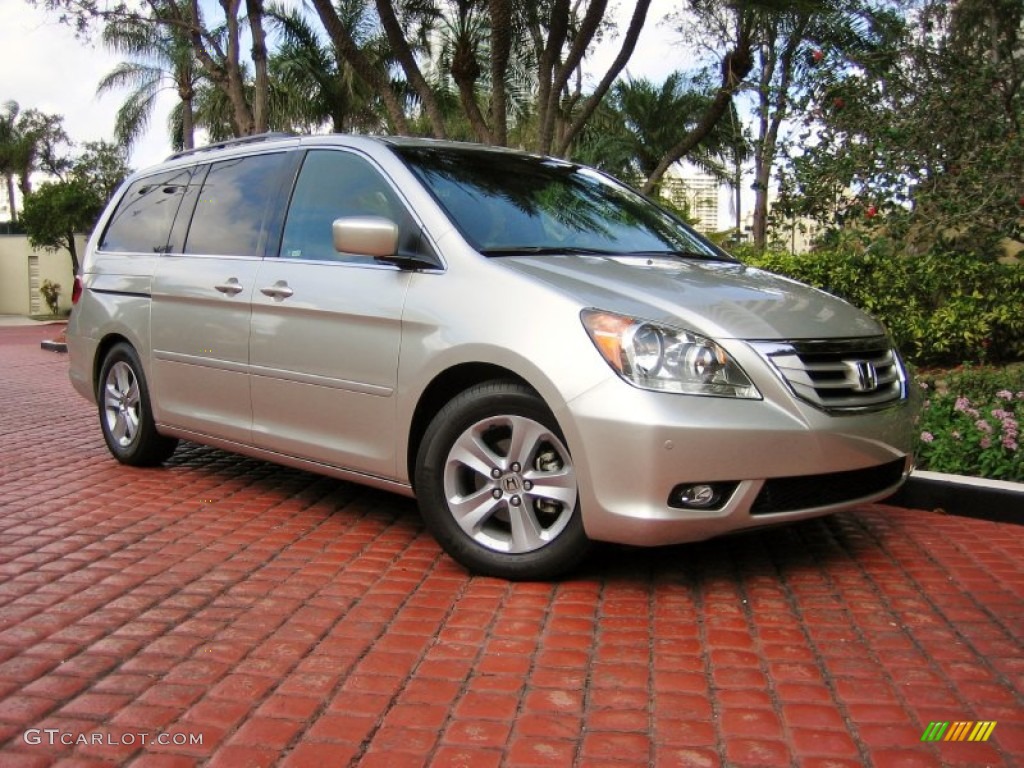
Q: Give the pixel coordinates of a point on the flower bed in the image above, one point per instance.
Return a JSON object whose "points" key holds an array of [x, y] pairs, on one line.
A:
{"points": [[970, 423]]}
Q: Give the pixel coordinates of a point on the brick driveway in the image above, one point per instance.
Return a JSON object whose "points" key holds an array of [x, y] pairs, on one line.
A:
{"points": [[277, 616]]}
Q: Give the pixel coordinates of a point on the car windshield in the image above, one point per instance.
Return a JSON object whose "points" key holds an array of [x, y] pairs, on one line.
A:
{"points": [[508, 204]]}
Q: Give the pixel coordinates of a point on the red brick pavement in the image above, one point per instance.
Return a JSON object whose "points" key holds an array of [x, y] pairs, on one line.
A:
{"points": [[280, 617]]}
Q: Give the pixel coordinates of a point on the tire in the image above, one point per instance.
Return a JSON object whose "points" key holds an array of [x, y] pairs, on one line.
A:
{"points": [[496, 485], [125, 414]]}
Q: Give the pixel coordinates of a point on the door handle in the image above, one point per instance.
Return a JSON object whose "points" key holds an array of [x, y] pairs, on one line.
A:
{"points": [[278, 290], [231, 287]]}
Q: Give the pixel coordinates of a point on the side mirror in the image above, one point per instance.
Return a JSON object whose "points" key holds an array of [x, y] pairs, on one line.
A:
{"points": [[365, 236]]}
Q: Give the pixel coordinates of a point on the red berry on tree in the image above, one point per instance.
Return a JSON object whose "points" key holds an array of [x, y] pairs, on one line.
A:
{"points": [[817, 55], [838, 102], [871, 212]]}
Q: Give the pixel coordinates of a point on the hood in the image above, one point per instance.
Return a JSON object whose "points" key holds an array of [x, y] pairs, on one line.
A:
{"points": [[717, 298]]}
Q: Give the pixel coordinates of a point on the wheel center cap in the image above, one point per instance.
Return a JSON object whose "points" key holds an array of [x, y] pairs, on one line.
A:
{"points": [[511, 484]]}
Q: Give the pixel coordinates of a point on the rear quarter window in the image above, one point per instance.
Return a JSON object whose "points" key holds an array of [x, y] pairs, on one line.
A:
{"points": [[142, 221]]}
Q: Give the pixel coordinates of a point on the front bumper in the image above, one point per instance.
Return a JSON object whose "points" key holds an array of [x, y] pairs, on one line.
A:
{"points": [[632, 447]]}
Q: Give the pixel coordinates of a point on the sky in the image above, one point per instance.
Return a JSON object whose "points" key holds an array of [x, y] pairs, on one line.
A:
{"points": [[44, 66]]}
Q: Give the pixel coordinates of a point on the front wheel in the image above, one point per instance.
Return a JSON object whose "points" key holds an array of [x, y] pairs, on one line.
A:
{"points": [[125, 413], [496, 484]]}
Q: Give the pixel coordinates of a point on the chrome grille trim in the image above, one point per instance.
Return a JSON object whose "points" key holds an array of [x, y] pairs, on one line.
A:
{"points": [[839, 374]]}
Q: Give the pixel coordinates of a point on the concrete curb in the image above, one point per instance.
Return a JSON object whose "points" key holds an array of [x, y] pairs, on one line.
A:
{"points": [[995, 500]]}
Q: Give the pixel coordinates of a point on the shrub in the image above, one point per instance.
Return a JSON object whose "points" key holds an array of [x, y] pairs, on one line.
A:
{"points": [[970, 423], [51, 295], [941, 309]]}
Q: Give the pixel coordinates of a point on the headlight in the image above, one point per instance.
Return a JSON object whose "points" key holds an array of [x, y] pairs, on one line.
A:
{"points": [[666, 359]]}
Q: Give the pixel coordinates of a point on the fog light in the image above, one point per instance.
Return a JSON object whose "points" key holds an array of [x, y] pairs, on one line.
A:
{"points": [[701, 495]]}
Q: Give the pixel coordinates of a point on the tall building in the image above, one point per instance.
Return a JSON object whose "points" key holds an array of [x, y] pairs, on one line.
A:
{"points": [[713, 205], [697, 192]]}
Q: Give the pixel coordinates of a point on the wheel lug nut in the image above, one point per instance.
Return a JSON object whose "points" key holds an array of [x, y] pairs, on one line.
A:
{"points": [[495, 473], [496, 493], [515, 501], [515, 466], [527, 485]]}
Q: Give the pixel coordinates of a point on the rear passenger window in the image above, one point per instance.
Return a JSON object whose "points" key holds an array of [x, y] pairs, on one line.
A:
{"points": [[232, 206], [332, 185], [143, 219]]}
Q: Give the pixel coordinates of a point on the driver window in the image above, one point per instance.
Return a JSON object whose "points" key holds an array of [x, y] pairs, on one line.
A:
{"points": [[333, 184]]}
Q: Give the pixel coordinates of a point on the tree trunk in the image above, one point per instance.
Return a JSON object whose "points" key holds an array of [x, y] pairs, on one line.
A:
{"points": [[401, 50], [375, 78], [227, 77], [762, 161], [737, 65], [501, 47], [558, 30], [465, 73], [588, 28], [188, 129], [241, 113], [636, 24], [186, 94], [73, 250], [773, 112], [738, 191], [10, 196], [762, 177], [261, 99]]}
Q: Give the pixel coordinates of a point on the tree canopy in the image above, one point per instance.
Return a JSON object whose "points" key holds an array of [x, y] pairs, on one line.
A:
{"points": [[58, 210], [922, 139], [901, 115]]}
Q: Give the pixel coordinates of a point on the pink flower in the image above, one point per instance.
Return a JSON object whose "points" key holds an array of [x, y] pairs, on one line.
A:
{"points": [[1005, 394], [986, 443], [964, 406], [927, 437], [983, 426], [1009, 444]]}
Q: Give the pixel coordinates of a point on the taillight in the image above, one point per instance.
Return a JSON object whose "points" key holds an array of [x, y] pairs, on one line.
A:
{"points": [[76, 290]]}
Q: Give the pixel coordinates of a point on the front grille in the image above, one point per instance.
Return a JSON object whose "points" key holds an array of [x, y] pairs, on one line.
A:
{"points": [[838, 375], [788, 494]]}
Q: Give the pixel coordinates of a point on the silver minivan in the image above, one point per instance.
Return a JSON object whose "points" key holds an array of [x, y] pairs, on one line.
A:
{"points": [[540, 355]]}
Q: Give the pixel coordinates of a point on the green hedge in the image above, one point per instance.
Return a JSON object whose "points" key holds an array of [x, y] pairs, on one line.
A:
{"points": [[941, 309]]}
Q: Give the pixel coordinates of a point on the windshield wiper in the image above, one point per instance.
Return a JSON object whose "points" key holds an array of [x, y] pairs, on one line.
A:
{"points": [[679, 255], [544, 250]]}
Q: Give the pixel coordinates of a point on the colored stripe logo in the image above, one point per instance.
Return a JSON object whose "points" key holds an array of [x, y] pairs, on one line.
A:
{"points": [[959, 731]]}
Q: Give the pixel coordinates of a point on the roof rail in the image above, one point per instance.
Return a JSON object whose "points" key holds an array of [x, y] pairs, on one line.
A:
{"points": [[233, 143]]}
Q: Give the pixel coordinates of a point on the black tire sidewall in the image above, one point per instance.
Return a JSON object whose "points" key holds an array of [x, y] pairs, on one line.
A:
{"points": [[471, 406], [149, 447]]}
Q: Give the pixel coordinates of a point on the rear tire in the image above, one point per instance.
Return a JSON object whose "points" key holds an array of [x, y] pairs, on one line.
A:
{"points": [[496, 484], [125, 414]]}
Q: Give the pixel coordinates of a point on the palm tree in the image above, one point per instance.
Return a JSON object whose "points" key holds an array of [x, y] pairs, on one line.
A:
{"points": [[30, 141], [311, 84], [160, 58], [481, 65], [9, 146], [641, 121]]}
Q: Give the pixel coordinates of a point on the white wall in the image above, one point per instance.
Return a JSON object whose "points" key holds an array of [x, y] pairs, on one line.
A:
{"points": [[14, 274]]}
